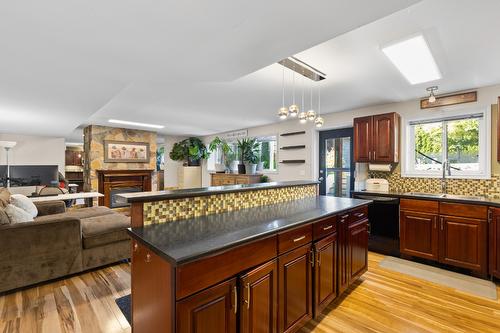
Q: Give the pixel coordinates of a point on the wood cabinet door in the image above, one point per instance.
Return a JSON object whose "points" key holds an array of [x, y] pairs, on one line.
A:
{"points": [[152, 292], [259, 299], [357, 249], [494, 242], [419, 234], [210, 311], [362, 139], [463, 242], [325, 273], [384, 145], [295, 289], [343, 264]]}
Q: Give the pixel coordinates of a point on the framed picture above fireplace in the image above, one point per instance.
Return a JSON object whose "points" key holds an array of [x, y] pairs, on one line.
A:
{"points": [[126, 152]]}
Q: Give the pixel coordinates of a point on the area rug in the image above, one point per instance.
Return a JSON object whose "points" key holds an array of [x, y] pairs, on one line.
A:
{"points": [[124, 305], [464, 283]]}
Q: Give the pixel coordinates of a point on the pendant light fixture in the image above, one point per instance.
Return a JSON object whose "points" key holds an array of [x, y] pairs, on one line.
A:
{"points": [[432, 97], [283, 111], [311, 114], [319, 120], [302, 114], [294, 108]]}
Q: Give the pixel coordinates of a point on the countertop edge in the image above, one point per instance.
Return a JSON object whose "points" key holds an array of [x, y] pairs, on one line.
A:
{"points": [[221, 249], [486, 202]]}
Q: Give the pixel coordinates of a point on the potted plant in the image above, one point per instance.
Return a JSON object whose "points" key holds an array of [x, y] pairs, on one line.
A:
{"points": [[249, 149], [227, 154], [192, 149]]}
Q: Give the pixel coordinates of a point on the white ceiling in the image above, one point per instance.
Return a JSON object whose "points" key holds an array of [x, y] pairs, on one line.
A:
{"points": [[202, 67]]}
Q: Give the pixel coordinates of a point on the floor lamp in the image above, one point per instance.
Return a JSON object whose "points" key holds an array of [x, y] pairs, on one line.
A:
{"points": [[8, 145]]}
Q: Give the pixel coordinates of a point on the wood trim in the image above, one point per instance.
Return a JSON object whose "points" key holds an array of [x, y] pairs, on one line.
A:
{"points": [[198, 275], [460, 98], [417, 205], [137, 214]]}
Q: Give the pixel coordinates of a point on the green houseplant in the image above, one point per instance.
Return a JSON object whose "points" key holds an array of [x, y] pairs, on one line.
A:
{"points": [[249, 151], [192, 150], [227, 153]]}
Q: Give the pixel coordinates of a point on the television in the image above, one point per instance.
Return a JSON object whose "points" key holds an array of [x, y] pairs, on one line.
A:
{"points": [[29, 175]]}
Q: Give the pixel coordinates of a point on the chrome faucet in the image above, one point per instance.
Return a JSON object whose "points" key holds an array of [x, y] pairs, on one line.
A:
{"points": [[446, 169]]}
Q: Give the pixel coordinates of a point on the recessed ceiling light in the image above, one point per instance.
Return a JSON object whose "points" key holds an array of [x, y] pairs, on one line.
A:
{"points": [[413, 58], [133, 123]]}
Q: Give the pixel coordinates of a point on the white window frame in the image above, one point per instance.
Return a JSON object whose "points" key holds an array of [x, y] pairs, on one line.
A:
{"points": [[271, 171], [484, 145]]}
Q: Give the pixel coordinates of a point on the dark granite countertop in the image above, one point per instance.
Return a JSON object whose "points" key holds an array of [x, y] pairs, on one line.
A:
{"points": [[433, 196], [197, 192], [186, 240]]}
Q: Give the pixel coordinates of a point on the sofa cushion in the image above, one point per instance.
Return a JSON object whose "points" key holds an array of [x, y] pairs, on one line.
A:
{"points": [[4, 197], [105, 229], [25, 203], [17, 215], [81, 213]]}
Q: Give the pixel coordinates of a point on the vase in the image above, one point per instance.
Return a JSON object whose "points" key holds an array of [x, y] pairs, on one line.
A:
{"points": [[250, 168]]}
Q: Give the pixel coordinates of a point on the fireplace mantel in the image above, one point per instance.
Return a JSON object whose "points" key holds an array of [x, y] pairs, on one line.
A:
{"points": [[109, 180]]}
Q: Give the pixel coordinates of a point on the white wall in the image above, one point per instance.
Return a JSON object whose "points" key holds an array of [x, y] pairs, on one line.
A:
{"points": [[171, 167], [408, 110], [34, 150]]}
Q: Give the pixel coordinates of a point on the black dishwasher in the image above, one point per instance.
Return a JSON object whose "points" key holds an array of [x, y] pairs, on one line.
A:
{"points": [[383, 216]]}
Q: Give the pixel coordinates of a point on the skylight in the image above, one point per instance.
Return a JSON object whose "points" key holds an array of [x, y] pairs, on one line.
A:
{"points": [[413, 58]]}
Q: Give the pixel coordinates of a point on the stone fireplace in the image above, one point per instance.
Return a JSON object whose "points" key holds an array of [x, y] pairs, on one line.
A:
{"points": [[114, 182]]}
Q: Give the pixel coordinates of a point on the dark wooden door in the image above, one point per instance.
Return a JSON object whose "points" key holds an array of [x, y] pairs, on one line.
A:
{"points": [[357, 249], [419, 234], [343, 265], [152, 299], [362, 139], [210, 311], [259, 299], [295, 289], [383, 141], [494, 242], [325, 273], [463, 243]]}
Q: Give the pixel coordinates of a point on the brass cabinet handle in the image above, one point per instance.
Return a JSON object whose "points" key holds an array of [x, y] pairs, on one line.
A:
{"points": [[248, 296], [328, 227], [359, 214], [312, 257], [374, 155], [442, 223], [136, 246], [369, 155], [148, 258], [299, 239], [235, 299]]}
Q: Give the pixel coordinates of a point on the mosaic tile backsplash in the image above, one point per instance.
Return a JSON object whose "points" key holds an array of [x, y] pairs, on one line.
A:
{"points": [[489, 188], [179, 209]]}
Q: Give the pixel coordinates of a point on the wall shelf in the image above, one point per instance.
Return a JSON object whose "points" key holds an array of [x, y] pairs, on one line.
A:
{"points": [[293, 147], [293, 161], [293, 133]]}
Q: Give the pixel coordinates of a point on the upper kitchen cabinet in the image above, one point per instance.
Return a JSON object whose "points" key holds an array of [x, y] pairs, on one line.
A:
{"points": [[376, 138]]}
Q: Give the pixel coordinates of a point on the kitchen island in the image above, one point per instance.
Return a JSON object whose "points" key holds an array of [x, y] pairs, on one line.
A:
{"points": [[269, 268]]}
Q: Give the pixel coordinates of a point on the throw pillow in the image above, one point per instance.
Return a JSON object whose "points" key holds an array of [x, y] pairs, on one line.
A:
{"points": [[4, 197], [17, 215], [23, 202]]}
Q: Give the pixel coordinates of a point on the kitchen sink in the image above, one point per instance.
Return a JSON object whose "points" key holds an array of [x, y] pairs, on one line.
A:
{"points": [[446, 196]]}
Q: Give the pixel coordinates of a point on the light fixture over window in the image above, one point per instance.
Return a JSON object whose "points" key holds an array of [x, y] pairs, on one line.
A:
{"points": [[413, 58], [432, 97]]}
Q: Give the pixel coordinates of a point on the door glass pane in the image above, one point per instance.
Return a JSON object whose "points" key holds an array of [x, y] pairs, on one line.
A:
{"points": [[463, 144], [338, 164], [428, 146]]}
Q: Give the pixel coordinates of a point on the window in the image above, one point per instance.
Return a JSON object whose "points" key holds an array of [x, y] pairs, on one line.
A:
{"points": [[461, 140]]}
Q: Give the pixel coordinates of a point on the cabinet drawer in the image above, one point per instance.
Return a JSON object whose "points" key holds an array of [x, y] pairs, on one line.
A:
{"points": [[294, 238], [241, 180], [424, 206], [463, 210], [342, 218], [359, 214], [324, 227]]}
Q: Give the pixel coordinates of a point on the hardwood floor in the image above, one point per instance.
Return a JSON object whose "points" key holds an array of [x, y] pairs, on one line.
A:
{"points": [[382, 301]]}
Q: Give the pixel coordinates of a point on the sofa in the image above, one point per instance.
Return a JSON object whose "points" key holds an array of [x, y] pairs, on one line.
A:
{"points": [[59, 243]]}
